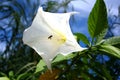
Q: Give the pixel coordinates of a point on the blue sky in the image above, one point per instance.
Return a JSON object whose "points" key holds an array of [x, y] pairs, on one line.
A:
{"points": [[84, 7], [88, 4]]}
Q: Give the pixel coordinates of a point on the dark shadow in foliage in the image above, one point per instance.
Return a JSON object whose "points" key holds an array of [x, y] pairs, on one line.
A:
{"points": [[15, 16]]}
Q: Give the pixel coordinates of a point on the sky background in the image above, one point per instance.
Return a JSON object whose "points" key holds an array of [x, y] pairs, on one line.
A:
{"points": [[88, 5], [84, 7]]}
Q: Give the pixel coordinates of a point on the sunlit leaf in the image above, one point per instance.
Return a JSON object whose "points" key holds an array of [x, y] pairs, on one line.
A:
{"points": [[4, 78], [61, 57], [111, 50], [112, 40], [40, 66]]}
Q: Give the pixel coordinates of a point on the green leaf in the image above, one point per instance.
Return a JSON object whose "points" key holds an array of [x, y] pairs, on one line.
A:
{"points": [[23, 76], [4, 78], [40, 66], [82, 37], [100, 37], [3, 74], [97, 21], [110, 50], [106, 72], [11, 74], [112, 40], [61, 57], [24, 67]]}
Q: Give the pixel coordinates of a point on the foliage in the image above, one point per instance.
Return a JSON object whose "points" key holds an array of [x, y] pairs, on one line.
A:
{"points": [[19, 62], [97, 21]]}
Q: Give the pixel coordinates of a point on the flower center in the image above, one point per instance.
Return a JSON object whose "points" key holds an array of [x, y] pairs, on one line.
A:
{"points": [[58, 37], [61, 39]]}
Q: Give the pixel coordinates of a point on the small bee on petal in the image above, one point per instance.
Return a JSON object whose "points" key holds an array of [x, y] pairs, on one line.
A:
{"points": [[50, 37]]}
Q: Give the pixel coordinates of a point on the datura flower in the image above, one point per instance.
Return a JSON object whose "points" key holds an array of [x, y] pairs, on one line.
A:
{"points": [[50, 34]]}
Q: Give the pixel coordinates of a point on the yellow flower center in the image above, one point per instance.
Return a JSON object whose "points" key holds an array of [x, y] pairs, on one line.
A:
{"points": [[58, 37], [61, 38]]}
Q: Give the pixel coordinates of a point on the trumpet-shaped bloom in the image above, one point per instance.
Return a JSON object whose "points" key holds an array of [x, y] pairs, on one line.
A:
{"points": [[50, 34]]}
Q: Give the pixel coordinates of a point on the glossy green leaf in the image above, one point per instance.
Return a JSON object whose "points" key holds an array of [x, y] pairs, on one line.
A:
{"points": [[112, 40], [111, 50], [97, 21], [82, 37]]}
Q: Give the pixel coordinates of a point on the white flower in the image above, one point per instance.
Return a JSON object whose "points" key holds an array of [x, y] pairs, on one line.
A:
{"points": [[50, 34]]}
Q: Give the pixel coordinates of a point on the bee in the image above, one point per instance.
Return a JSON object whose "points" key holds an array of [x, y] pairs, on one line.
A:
{"points": [[50, 37]]}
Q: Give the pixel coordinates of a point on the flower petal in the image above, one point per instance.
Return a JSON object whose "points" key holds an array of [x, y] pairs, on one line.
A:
{"points": [[38, 40], [50, 34], [70, 47]]}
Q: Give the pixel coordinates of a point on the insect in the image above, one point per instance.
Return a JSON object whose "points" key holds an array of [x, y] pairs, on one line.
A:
{"points": [[50, 37]]}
